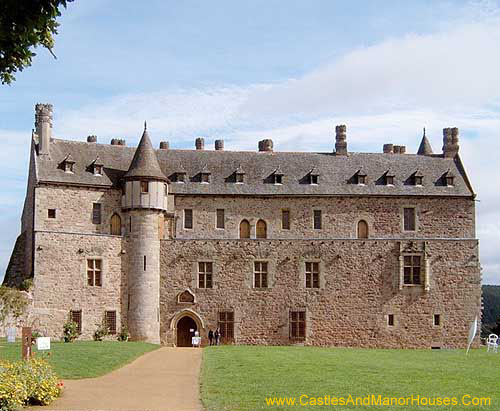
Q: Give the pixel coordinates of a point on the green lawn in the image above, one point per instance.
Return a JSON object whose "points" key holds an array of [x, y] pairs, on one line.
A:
{"points": [[240, 377], [83, 359]]}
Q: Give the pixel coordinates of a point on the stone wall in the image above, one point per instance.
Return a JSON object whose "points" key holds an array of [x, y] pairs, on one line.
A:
{"points": [[436, 217], [359, 288]]}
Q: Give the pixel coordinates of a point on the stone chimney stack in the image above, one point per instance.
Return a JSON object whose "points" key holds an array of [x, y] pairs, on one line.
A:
{"points": [[200, 143], [388, 148], [91, 139], [43, 127], [164, 145], [219, 145], [450, 142], [266, 145], [340, 140]]}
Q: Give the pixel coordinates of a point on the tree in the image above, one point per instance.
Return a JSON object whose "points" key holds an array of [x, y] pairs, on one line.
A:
{"points": [[24, 25]]}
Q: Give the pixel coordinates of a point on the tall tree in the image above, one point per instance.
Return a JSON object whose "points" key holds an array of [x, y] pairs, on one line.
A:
{"points": [[24, 25]]}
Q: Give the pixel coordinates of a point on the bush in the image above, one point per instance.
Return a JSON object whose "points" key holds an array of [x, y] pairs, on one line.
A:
{"points": [[27, 382], [70, 331], [26, 284], [100, 333], [124, 335]]}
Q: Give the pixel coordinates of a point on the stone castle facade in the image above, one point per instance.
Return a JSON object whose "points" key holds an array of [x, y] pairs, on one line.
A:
{"points": [[339, 248]]}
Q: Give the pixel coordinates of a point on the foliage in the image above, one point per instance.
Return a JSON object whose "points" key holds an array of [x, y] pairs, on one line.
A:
{"points": [[25, 24], [491, 311], [27, 382], [100, 333], [239, 378], [70, 331], [83, 359], [12, 302], [26, 284], [124, 334]]}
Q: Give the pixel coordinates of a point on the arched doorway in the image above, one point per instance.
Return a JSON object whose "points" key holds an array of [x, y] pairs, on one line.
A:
{"points": [[184, 333]]}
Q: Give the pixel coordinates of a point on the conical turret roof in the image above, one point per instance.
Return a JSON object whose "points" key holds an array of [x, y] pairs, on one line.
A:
{"points": [[145, 163], [425, 148]]}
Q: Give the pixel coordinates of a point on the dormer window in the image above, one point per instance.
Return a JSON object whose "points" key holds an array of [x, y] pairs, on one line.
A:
{"points": [[180, 177], [361, 177], [239, 175], [68, 164], [449, 179], [98, 170], [96, 167], [418, 178], [205, 175], [313, 177], [389, 178], [277, 176]]}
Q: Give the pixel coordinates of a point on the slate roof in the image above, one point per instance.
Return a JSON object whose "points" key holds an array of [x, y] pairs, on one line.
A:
{"points": [[336, 172], [425, 148]]}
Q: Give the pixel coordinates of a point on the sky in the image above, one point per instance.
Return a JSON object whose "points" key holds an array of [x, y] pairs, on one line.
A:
{"points": [[286, 70]]}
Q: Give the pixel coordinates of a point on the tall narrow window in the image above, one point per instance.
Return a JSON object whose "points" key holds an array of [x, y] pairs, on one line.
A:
{"points": [[76, 317], [226, 326], [409, 219], [145, 265], [260, 274], [205, 272], [220, 218], [261, 229], [390, 320], [297, 325], [244, 229], [362, 229], [285, 219], [144, 187], [437, 320], [96, 213], [188, 219], [130, 224], [312, 275], [116, 225], [110, 317], [317, 223], [412, 269], [94, 272]]}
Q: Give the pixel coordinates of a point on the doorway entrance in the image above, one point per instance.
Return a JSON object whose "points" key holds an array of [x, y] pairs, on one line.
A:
{"points": [[184, 333]]}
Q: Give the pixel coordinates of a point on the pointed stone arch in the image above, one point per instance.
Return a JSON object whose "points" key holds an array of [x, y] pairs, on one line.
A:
{"points": [[190, 313]]}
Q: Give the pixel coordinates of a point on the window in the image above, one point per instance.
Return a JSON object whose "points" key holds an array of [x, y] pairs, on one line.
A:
{"points": [[361, 179], [412, 269], [317, 220], [390, 320], [94, 272], [240, 178], [313, 179], [96, 213], [51, 213], [362, 229], [409, 217], [145, 263], [261, 229], [116, 225], [298, 325], [76, 317], [110, 317], [180, 177], [260, 274], [220, 223], [98, 170], [418, 180], [389, 180], [437, 320], [188, 219], [244, 229], [205, 177], [278, 179], [226, 325], [449, 181], [285, 219], [312, 275], [205, 271], [68, 167]]}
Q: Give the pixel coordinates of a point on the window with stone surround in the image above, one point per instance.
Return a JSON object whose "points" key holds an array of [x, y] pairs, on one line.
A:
{"points": [[96, 213], [437, 320], [76, 317], [188, 219], [220, 219], [297, 325], [260, 273], [409, 219], [226, 326], [261, 229], [285, 219], [317, 219], [94, 272], [244, 229], [412, 270], [312, 275], [110, 317], [205, 273], [51, 213], [390, 320], [362, 229]]}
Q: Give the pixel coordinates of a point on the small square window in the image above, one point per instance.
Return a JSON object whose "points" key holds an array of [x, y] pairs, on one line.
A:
{"points": [[314, 179], [437, 320], [361, 179], [278, 179], [449, 181], [205, 178], [181, 177], [390, 320], [418, 180], [51, 213], [239, 178], [68, 168], [389, 180], [144, 187]]}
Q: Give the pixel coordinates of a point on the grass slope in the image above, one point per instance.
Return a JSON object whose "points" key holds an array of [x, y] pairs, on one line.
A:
{"points": [[83, 359], [239, 378]]}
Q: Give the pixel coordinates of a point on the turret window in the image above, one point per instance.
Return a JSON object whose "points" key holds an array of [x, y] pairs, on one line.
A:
{"points": [[144, 187]]}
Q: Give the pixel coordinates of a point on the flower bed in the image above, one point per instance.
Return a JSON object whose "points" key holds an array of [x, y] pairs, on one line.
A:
{"points": [[27, 382]]}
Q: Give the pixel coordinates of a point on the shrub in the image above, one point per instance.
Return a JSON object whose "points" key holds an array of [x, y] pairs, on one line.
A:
{"points": [[27, 382], [26, 284], [70, 331], [100, 333], [123, 336], [12, 302]]}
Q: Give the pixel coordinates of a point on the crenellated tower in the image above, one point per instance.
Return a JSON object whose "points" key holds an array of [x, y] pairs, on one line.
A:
{"points": [[144, 202]]}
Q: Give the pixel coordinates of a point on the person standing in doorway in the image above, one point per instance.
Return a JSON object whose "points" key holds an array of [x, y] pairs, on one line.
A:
{"points": [[211, 337], [217, 336]]}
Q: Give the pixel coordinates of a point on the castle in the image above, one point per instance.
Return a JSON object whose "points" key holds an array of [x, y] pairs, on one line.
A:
{"points": [[334, 248]]}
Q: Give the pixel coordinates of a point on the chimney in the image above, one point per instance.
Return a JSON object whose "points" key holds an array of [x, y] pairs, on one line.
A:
{"points": [[388, 148], [43, 127], [397, 149], [219, 145], [402, 149], [122, 142], [164, 145], [450, 142], [266, 145], [91, 139], [200, 143], [340, 140]]}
